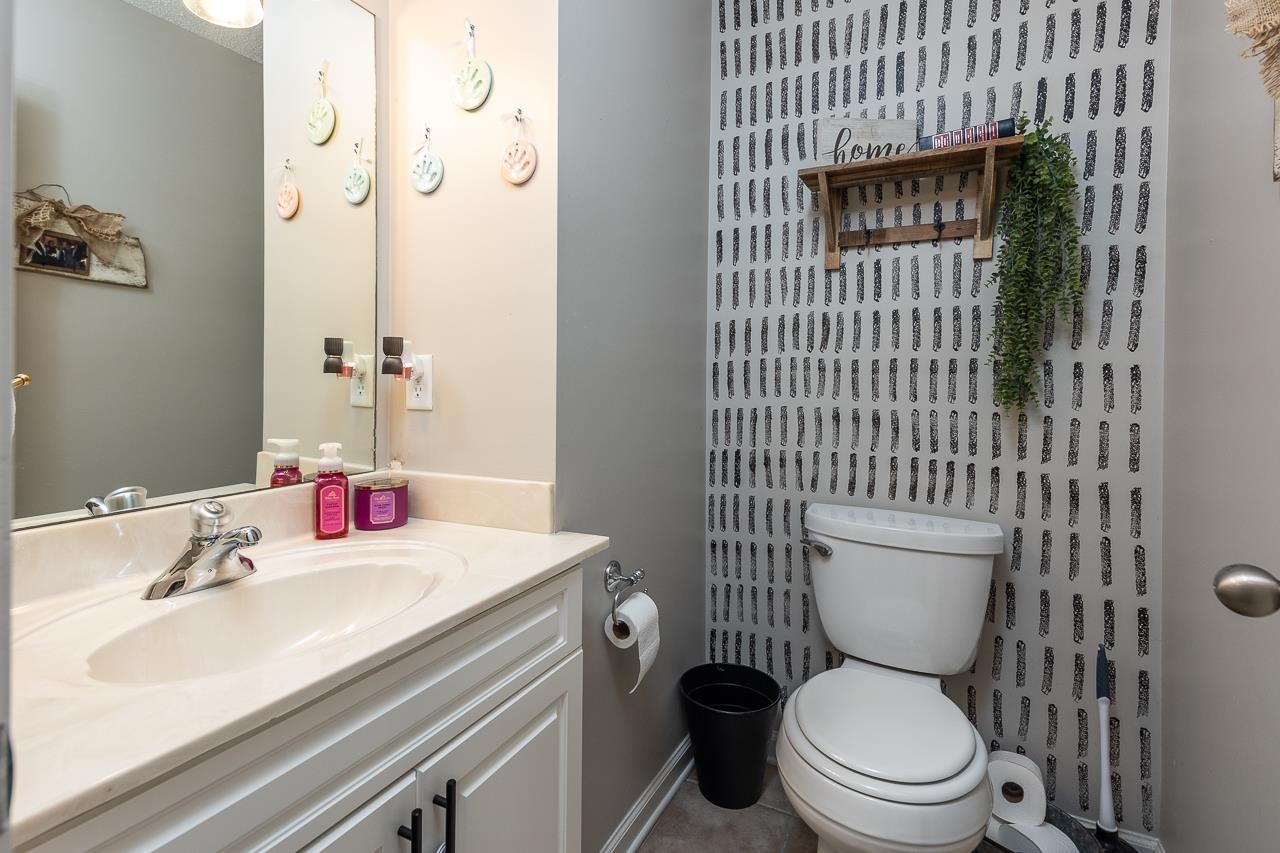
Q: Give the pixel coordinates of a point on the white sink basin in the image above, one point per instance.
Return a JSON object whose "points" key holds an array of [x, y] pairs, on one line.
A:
{"points": [[297, 602]]}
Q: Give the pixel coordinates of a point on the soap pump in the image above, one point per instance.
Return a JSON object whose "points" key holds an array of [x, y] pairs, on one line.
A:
{"points": [[287, 472], [332, 495]]}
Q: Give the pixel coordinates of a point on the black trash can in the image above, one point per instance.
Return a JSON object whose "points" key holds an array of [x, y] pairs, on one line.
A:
{"points": [[731, 711]]}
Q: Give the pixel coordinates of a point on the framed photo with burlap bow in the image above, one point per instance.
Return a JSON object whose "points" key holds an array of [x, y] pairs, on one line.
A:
{"points": [[51, 235], [1275, 150], [1259, 22]]}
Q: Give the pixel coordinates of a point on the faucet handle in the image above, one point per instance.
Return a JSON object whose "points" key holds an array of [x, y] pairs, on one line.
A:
{"points": [[246, 536], [209, 518]]}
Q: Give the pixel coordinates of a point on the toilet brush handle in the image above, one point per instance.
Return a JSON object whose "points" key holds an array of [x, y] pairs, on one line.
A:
{"points": [[1106, 808]]}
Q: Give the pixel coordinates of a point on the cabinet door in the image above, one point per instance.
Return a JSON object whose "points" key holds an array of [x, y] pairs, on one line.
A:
{"points": [[373, 827], [518, 772]]}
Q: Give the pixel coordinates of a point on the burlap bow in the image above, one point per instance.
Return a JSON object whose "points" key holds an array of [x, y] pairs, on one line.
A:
{"points": [[1259, 21], [101, 231]]}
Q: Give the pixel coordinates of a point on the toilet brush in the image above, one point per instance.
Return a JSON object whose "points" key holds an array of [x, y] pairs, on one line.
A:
{"points": [[1106, 831]]}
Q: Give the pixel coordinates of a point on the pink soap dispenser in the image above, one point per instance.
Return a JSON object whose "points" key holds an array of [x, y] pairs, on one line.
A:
{"points": [[332, 495], [287, 472]]}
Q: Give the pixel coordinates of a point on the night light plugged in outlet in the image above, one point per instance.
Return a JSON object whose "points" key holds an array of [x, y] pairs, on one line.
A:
{"points": [[418, 390], [362, 377]]}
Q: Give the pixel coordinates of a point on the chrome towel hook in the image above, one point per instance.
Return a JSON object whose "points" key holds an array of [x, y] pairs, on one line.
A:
{"points": [[616, 583]]}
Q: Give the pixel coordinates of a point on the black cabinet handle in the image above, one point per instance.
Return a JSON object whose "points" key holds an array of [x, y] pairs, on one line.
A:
{"points": [[449, 802], [8, 773], [413, 832]]}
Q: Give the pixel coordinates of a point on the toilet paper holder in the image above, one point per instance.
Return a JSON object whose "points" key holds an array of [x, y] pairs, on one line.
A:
{"points": [[616, 583]]}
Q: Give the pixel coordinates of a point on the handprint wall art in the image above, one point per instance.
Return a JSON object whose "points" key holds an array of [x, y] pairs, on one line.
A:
{"points": [[520, 158], [322, 118], [474, 81]]}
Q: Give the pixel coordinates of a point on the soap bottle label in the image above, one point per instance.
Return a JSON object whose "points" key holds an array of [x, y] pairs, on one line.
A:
{"points": [[333, 508]]}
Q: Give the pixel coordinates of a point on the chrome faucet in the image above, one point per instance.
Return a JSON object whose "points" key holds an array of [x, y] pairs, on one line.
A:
{"points": [[124, 498], [212, 557]]}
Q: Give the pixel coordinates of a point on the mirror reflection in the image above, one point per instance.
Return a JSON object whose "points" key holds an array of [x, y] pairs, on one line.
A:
{"points": [[196, 214]]}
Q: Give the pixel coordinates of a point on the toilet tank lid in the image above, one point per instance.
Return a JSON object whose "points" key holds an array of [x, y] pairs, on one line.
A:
{"points": [[911, 530]]}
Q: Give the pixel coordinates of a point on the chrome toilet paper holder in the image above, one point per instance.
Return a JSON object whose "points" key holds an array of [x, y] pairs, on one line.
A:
{"points": [[617, 583]]}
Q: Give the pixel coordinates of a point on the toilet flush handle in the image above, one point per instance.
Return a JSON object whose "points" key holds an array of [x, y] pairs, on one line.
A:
{"points": [[823, 549]]}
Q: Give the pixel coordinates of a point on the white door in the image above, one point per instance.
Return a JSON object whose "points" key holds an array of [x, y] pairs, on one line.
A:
{"points": [[6, 447], [374, 828], [1221, 702], [517, 772]]}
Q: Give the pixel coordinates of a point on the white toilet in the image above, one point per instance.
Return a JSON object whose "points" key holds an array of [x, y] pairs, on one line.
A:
{"points": [[874, 757]]}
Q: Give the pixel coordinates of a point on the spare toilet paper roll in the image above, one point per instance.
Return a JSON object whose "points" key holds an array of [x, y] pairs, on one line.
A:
{"points": [[1017, 789], [638, 616], [1021, 838]]}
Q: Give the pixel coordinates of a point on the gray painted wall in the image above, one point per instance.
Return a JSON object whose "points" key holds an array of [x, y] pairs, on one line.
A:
{"points": [[632, 250], [142, 118], [1221, 695]]}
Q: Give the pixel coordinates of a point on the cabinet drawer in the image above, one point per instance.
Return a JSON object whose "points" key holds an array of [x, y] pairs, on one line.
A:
{"points": [[282, 786]]}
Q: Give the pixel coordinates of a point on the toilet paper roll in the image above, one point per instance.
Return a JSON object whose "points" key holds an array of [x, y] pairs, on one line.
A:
{"points": [[1017, 789], [638, 616], [1018, 838]]}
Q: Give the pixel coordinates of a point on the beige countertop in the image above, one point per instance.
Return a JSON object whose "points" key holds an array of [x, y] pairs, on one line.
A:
{"points": [[80, 742]]}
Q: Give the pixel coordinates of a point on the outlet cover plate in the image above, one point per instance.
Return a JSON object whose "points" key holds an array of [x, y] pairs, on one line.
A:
{"points": [[418, 393], [362, 382]]}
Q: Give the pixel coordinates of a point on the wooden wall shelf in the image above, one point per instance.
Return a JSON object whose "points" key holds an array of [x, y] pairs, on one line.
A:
{"points": [[989, 159]]}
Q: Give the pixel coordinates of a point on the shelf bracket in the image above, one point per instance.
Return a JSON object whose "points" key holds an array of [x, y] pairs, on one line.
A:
{"points": [[829, 207], [984, 240]]}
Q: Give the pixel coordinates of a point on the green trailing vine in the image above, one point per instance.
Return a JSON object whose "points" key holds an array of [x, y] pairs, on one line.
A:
{"points": [[1038, 268]]}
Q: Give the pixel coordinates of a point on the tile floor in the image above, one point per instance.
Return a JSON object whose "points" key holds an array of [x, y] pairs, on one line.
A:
{"points": [[690, 823]]}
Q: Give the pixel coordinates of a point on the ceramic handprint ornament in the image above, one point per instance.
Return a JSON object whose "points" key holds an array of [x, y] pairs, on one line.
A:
{"points": [[520, 159], [474, 81], [287, 196], [519, 162], [322, 118], [426, 169], [357, 183]]}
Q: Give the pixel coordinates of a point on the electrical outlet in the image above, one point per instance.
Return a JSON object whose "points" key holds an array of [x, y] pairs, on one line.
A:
{"points": [[362, 381], [418, 390]]}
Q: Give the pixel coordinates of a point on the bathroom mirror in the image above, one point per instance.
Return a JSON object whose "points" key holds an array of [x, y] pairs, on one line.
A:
{"points": [[168, 370]]}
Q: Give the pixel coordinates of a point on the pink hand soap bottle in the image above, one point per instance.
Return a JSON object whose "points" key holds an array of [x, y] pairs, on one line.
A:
{"points": [[332, 495], [287, 472]]}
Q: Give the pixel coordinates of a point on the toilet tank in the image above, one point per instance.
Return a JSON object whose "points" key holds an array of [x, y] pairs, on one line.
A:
{"points": [[902, 589]]}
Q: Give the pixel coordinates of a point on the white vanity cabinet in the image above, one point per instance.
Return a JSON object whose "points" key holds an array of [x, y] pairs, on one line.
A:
{"points": [[495, 704], [375, 828], [512, 772]]}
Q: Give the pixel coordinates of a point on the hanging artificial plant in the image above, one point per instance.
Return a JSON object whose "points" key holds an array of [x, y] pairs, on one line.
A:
{"points": [[1038, 268]]}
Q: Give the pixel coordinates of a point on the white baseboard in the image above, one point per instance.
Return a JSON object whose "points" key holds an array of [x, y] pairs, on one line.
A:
{"points": [[1148, 843], [646, 810]]}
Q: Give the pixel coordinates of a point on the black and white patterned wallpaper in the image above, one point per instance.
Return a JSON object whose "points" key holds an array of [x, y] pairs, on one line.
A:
{"points": [[871, 385]]}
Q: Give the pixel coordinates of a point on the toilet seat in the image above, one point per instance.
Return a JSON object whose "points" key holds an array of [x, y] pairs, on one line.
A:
{"points": [[885, 737], [856, 812]]}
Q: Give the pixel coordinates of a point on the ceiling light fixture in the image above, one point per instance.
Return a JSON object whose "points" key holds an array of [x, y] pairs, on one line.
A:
{"points": [[236, 14]]}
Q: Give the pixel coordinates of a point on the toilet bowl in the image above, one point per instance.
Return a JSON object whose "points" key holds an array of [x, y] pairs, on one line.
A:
{"points": [[872, 755], [875, 763]]}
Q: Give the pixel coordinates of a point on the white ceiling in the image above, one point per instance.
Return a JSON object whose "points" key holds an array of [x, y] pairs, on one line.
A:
{"points": [[244, 42]]}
